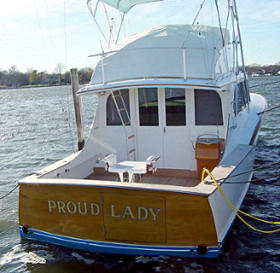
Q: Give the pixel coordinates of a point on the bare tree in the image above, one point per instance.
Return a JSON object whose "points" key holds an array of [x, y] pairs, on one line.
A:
{"points": [[58, 70]]}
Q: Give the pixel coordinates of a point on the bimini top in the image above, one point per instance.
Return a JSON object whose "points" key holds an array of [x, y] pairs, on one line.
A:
{"points": [[126, 5], [173, 51]]}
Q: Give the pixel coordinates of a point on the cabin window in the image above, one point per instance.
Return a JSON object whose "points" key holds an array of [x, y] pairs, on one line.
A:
{"points": [[240, 98], [148, 106], [113, 115], [208, 108], [175, 106], [246, 93]]}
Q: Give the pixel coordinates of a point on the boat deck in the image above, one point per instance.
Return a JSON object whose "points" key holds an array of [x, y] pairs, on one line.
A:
{"points": [[182, 178]]}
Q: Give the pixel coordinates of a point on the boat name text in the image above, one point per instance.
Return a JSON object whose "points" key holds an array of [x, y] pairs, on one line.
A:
{"points": [[93, 209]]}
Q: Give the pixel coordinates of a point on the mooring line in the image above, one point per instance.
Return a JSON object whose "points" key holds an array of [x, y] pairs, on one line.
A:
{"points": [[270, 109], [251, 181], [252, 170], [2, 197], [238, 211], [269, 83]]}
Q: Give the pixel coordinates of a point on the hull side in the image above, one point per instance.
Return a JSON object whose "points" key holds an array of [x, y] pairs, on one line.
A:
{"points": [[235, 192]]}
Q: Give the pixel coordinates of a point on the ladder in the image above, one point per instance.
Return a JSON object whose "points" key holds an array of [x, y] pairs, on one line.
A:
{"points": [[126, 124]]}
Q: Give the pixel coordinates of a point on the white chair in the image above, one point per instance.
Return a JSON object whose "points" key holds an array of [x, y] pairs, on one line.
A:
{"points": [[130, 167], [151, 163], [143, 167], [112, 166], [109, 160]]}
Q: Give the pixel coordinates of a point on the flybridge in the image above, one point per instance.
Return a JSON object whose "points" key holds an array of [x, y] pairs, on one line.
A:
{"points": [[185, 52], [165, 57]]}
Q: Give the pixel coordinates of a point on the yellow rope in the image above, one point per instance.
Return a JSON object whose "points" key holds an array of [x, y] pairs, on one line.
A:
{"points": [[237, 211]]}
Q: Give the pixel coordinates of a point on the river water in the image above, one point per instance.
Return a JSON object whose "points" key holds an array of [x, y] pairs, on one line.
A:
{"points": [[37, 128]]}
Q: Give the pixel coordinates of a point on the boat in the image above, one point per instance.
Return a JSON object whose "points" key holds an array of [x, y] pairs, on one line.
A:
{"points": [[173, 101]]}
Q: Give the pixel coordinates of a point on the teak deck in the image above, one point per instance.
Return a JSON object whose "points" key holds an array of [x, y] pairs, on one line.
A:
{"points": [[182, 178]]}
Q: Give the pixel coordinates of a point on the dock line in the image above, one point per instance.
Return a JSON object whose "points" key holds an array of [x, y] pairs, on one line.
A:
{"points": [[237, 211], [2, 197]]}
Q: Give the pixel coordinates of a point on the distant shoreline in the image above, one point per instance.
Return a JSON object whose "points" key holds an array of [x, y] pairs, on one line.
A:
{"points": [[2, 87], [14, 79]]}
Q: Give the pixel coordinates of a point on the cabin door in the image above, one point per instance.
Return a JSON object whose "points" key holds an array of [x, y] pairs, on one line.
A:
{"points": [[162, 127], [148, 124], [177, 146]]}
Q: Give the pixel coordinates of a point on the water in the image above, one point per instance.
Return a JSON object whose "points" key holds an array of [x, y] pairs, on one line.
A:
{"points": [[37, 128]]}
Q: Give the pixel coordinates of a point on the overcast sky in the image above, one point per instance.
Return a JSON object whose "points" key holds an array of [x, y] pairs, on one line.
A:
{"points": [[39, 34]]}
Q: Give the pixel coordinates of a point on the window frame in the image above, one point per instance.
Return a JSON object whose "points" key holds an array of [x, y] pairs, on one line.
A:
{"points": [[198, 120], [113, 109], [240, 94], [141, 118], [167, 120]]}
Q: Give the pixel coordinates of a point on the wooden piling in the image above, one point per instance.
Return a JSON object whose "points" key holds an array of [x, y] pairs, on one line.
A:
{"points": [[77, 107]]}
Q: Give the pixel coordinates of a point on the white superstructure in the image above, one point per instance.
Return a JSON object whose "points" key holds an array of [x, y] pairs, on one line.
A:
{"points": [[173, 51]]}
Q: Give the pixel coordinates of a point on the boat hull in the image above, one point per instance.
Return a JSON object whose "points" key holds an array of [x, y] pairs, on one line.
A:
{"points": [[118, 220], [135, 218], [118, 248]]}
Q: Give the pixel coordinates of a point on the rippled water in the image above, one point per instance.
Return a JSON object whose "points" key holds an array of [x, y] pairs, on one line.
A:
{"points": [[37, 128]]}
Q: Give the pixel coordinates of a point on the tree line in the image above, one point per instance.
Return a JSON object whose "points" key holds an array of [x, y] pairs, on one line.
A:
{"points": [[267, 69], [13, 78]]}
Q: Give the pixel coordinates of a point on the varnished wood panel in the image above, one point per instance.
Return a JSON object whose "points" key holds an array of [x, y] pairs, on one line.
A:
{"points": [[134, 218], [34, 210], [183, 219], [189, 220]]}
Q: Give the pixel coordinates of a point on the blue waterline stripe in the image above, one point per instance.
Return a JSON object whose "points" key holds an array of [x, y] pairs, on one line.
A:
{"points": [[117, 248]]}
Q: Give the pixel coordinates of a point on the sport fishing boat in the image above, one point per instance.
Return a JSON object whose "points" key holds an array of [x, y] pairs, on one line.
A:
{"points": [[172, 100]]}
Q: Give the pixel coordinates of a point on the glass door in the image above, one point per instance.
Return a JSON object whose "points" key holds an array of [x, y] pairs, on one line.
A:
{"points": [[176, 136], [149, 124]]}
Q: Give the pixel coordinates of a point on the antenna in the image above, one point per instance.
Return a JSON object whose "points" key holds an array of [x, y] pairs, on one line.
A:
{"points": [[93, 16], [194, 20], [110, 21]]}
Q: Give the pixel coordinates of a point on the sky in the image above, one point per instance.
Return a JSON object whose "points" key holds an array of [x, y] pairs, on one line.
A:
{"points": [[39, 34]]}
